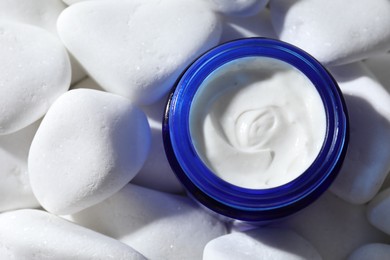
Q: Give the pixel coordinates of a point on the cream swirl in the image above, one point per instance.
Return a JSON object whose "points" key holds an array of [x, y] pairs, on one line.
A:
{"points": [[258, 123]]}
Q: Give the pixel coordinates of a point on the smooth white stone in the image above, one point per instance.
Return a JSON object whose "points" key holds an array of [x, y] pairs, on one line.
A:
{"points": [[15, 189], [41, 13], [379, 66], [35, 234], [157, 224], [368, 157], [237, 7], [258, 244], [243, 27], [34, 71], [375, 251], [378, 211], [138, 48], [333, 31], [156, 172], [88, 146], [335, 228]]}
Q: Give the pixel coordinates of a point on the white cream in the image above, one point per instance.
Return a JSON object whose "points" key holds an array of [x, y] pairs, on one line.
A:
{"points": [[257, 122]]}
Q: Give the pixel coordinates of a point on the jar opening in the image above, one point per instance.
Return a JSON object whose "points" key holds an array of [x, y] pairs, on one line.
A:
{"points": [[257, 122]]}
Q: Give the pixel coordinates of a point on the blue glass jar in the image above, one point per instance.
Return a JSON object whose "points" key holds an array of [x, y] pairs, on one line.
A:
{"points": [[226, 199]]}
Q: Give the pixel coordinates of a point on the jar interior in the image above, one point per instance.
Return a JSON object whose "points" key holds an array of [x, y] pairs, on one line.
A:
{"points": [[257, 122]]}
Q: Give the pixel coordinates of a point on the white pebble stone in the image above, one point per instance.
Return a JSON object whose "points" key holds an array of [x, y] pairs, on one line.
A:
{"points": [[335, 228], [237, 7], [34, 71], [375, 251], [156, 172], [15, 189], [38, 235], [88, 146], [368, 157], [138, 48], [41, 13], [159, 225], [378, 211], [260, 244], [333, 31], [243, 27]]}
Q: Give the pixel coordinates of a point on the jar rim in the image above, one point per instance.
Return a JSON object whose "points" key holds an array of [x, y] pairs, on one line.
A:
{"points": [[238, 202]]}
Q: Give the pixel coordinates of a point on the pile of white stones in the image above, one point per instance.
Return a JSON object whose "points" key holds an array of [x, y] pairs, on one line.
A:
{"points": [[90, 180]]}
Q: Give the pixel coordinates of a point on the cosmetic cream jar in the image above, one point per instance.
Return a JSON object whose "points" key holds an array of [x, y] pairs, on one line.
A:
{"points": [[202, 171]]}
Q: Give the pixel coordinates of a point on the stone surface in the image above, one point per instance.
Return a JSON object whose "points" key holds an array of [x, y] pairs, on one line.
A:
{"points": [[335, 228], [41, 13], [159, 225], [378, 211], [374, 251], [88, 146], [263, 243], [335, 32], [15, 189], [36, 235], [36, 72], [368, 158], [136, 48]]}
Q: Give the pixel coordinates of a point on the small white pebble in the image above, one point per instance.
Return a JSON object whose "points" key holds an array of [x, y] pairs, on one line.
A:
{"points": [[378, 211], [157, 224], [38, 235], [41, 13], [334, 227], [375, 251], [37, 71], [138, 48], [260, 244], [335, 32], [368, 157], [15, 189], [88, 146]]}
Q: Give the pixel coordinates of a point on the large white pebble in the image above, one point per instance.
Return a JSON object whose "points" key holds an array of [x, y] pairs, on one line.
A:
{"points": [[260, 244], [237, 7], [156, 172], [333, 31], [159, 225], [368, 157], [375, 251], [378, 211], [335, 228], [138, 48], [41, 13], [15, 189], [243, 27], [36, 235], [34, 71], [89, 145]]}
